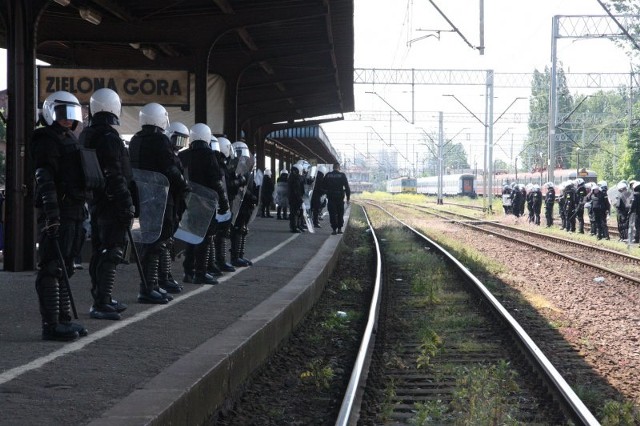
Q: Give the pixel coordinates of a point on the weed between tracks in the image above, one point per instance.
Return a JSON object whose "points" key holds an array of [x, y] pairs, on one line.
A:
{"points": [[431, 312]]}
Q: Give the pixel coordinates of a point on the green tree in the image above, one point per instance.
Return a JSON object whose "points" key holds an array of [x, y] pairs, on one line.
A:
{"points": [[537, 139]]}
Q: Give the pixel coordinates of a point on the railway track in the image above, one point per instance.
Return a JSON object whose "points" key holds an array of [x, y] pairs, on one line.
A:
{"points": [[416, 364]]}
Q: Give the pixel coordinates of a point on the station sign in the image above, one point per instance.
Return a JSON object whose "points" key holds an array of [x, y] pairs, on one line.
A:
{"points": [[135, 87]]}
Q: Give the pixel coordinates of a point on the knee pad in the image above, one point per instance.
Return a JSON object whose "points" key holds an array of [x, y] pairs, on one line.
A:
{"points": [[114, 254]]}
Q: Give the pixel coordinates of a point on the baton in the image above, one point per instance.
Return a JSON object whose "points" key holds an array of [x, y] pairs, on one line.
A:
{"points": [[66, 276], [135, 254]]}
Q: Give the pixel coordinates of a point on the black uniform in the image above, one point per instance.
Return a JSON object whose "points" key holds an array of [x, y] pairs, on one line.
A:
{"points": [[537, 205], [219, 251], [59, 197], [516, 202], [240, 228], [623, 214], [635, 209], [549, 200], [266, 196], [336, 186], [283, 204], [570, 207], [529, 201], [112, 210], [295, 192], [316, 199], [581, 193], [202, 167], [150, 149], [599, 208]]}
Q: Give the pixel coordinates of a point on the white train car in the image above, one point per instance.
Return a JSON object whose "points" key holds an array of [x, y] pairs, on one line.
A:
{"points": [[452, 185]]}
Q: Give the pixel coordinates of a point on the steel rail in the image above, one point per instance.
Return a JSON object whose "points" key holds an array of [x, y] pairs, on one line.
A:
{"points": [[350, 408], [566, 397]]}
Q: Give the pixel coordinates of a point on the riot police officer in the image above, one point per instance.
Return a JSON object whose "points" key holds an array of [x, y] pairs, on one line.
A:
{"points": [[316, 196], [150, 149], [247, 202], [336, 185], [570, 206], [281, 197], [581, 193], [179, 136], [536, 203], [224, 156], [295, 192], [266, 194], [59, 198], [112, 207], [549, 200], [202, 167]]}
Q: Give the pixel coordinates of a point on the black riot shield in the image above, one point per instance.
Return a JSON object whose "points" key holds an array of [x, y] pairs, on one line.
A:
{"points": [[245, 165], [153, 190], [202, 203]]}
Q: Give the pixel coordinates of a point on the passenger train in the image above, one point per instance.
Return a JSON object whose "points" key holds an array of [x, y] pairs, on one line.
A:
{"points": [[559, 176], [452, 185], [402, 185]]}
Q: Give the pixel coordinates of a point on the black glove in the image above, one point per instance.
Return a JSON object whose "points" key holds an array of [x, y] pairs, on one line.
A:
{"points": [[126, 215], [51, 227]]}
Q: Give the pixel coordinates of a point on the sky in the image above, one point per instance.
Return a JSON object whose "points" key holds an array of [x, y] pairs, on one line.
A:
{"points": [[405, 34], [517, 39]]}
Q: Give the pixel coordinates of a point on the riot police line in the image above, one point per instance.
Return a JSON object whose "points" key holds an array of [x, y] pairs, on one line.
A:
{"points": [[170, 183], [578, 201]]}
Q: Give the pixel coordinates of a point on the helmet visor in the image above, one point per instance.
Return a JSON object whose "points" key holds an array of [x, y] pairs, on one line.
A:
{"points": [[243, 152], [67, 112], [179, 140]]}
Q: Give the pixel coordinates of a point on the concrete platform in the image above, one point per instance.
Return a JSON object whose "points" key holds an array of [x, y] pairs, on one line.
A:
{"points": [[160, 364]]}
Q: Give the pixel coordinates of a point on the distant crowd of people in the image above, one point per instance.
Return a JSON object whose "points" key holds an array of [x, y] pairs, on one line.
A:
{"points": [[574, 198]]}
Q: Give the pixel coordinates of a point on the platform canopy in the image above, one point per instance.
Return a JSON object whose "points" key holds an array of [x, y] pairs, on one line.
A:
{"points": [[308, 142]]}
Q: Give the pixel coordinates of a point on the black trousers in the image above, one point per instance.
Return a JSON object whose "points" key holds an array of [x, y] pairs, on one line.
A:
{"points": [[335, 206]]}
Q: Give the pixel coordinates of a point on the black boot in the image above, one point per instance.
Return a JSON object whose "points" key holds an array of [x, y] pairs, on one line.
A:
{"points": [[221, 247], [165, 280], [148, 292], [236, 260], [49, 296], [243, 240], [212, 269], [64, 317], [105, 276]]}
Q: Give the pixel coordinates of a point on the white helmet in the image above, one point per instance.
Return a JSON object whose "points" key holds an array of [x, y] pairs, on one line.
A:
{"points": [[284, 172], [267, 172], [322, 169], [154, 114], [548, 185], [579, 181], [106, 100], [298, 167], [200, 132], [536, 187], [179, 134], [622, 185], [214, 144], [241, 149], [225, 146], [603, 183], [61, 106]]}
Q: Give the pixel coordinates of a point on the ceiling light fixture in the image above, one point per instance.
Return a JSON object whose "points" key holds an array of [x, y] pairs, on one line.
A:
{"points": [[90, 15], [149, 52], [63, 2]]}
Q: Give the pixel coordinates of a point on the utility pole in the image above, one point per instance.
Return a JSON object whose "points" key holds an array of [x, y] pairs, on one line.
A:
{"points": [[440, 145]]}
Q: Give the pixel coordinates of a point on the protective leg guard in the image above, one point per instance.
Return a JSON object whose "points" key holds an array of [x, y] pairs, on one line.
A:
{"points": [[106, 278], [148, 294], [220, 249], [212, 269], [165, 280], [243, 240], [235, 250], [49, 297]]}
